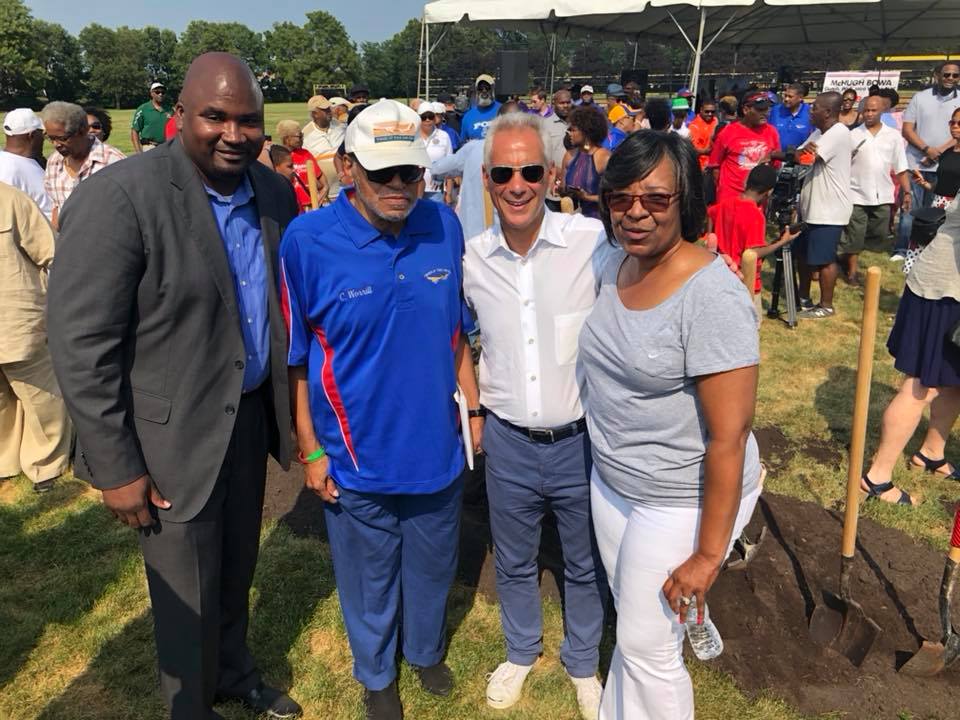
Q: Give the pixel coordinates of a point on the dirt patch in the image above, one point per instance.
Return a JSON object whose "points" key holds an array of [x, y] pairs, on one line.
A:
{"points": [[776, 449], [763, 612]]}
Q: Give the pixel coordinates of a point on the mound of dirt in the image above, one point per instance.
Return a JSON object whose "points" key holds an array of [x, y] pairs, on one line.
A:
{"points": [[763, 611]]}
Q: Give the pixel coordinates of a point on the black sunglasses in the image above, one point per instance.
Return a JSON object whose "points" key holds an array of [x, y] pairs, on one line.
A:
{"points": [[96, 126], [950, 75], [502, 174], [408, 174], [428, 116], [651, 202]]}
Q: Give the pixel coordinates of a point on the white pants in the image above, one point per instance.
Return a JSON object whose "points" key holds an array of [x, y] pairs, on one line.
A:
{"points": [[640, 545]]}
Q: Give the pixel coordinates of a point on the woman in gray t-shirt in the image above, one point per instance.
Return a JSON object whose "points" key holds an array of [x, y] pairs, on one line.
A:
{"points": [[669, 361]]}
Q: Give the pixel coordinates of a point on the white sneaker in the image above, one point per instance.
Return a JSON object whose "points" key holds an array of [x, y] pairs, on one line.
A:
{"points": [[588, 696], [897, 257], [505, 684]]}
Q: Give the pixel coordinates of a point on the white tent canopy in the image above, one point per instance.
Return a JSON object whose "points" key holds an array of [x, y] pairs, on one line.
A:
{"points": [[701, 23]]}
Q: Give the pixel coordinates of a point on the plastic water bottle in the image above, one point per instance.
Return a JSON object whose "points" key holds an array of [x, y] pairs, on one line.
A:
{"points": [[704, 639]]}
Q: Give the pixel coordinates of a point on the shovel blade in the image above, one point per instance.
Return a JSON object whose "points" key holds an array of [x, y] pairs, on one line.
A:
{"points": [[929, 660], [841, 625]]}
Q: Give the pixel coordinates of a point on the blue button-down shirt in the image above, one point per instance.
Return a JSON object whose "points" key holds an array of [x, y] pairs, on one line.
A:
{"points": [[239, 224], [793, 129]]}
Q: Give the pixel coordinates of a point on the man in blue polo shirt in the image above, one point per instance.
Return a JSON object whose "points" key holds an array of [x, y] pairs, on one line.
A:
{"points": [[371, 289], [791, 118]]}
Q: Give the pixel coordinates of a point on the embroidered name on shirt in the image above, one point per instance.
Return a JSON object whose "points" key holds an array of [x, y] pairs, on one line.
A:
{"points": [[437, 275], [355, 293]]}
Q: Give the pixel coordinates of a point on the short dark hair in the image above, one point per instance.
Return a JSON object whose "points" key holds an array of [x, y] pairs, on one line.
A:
{"points": [[278, 153], [637, 156], [728, 105], [940, 66], [659, 113], [849, 90], [798, 88], [762, 178], [539, 92], [103, 116], [890, 94], [591, 122]]}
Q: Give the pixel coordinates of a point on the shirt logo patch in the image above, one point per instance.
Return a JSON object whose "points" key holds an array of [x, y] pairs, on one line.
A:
{"points": [[354, 293], [437, 275], [393, 131]]}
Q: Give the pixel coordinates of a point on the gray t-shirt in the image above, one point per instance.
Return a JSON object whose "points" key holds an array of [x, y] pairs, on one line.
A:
{"points": [[638, 372]]}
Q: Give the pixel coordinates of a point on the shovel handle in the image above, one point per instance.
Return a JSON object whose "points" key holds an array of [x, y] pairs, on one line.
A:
{"points": [[861, 405], [955, 538], [748, 266]]}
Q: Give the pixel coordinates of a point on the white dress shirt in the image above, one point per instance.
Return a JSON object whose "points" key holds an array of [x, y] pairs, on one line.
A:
{"points": [[875, 157], [530, 310]]}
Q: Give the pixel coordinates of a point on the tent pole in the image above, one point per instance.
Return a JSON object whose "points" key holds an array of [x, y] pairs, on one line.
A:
{"points": [[698, 52], [636, 45], [553, 59], [426, 94], [423, 24]]}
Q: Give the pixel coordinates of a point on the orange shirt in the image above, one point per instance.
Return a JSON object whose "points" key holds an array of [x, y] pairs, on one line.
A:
{"points": [[701, 133]]}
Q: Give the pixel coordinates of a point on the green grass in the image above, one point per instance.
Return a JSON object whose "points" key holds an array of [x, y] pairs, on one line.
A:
{"points": [[77, 635]]}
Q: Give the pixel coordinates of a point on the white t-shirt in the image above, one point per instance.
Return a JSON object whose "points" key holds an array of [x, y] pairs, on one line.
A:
{"points": [[438, 146], [682, 131], [25, 174], [877, 156], [825, 196]]}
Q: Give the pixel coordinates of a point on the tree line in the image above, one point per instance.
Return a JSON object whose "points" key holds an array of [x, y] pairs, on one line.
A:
{"points": [[113, 67]]}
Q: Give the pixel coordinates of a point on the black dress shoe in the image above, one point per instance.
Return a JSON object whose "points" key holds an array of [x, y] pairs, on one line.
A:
{"points": [[265, 700], [436, 679], [383, 704]]}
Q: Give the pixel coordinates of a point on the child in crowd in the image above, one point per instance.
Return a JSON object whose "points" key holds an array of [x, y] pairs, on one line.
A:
{"points": [[739, 223], [282, 160]]}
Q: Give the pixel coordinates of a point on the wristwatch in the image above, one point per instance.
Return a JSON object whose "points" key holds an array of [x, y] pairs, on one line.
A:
{"points": [[477, 412]]}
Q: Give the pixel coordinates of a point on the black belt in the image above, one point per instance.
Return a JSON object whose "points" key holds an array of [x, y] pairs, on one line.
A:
{"points": [[548, 435]]}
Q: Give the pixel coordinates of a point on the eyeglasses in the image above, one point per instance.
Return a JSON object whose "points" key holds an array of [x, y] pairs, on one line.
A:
{"points": [[428, 116], [159, 92], [950, 75], [708, 112], [408, 174], [96, 126], [502, 174], [651, 202], [953, 123], [58, 138]]}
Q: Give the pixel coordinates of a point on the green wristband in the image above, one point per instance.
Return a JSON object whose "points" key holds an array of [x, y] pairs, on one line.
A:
{"points": [[313, 457]]}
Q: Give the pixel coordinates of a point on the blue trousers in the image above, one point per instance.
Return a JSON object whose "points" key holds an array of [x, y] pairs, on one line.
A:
{"points": [[394, 557], [921, 199], [524, 479]]}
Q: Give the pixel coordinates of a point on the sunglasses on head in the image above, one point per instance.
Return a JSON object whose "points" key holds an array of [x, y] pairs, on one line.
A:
{"points": [[408, 174], [502, 174], [651, 202]]}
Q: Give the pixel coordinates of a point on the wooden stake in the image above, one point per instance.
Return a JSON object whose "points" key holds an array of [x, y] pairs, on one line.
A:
{"points": [[312, 186], [748, 266]]}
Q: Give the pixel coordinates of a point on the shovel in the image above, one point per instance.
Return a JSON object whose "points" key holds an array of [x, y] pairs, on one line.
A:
{"points": [[839, 623], [933, 658]]}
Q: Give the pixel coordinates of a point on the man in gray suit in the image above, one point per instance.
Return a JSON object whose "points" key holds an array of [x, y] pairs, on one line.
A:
{"points": [[169, 345]]}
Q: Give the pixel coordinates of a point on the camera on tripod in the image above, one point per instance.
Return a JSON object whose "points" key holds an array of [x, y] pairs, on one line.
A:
{"points": [[784, 200]]}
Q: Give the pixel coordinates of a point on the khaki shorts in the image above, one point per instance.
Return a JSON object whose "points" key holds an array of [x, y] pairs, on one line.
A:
{"points": [[867, 222]]}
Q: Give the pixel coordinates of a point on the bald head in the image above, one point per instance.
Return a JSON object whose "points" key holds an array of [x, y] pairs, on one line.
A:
{"points": [[220, 119], [873, 108], [831, 102], [825, 111]]}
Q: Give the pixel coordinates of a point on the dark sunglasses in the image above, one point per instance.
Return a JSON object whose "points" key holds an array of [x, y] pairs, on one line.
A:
{"points": [[950, 75], [502, 174], [428, 116], [651, 202], [952, 123], [96, 126], [408, 174]]}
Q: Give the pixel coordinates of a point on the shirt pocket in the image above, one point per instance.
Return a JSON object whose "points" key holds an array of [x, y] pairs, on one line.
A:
{"points": [[566, 334]]}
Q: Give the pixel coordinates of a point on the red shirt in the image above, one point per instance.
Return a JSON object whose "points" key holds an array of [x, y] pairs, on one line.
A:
{"points": [[739, 224], [737, 150], [300, 159], [701, 132], [170, 129]]}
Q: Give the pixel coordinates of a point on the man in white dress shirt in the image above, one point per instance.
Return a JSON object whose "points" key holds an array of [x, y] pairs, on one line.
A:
{"points": [[878, 153], [532, 280]]}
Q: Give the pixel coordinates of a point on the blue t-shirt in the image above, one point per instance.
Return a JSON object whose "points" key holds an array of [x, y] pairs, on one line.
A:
{"points": [[376, 320], [793, 129], [615, 136], [475, 121]]}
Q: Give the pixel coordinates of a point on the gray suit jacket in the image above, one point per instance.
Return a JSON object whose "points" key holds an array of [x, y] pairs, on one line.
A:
{"points": [[144, 328]]}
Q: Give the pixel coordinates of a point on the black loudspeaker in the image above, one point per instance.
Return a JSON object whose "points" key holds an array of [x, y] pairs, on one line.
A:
{"points": [[734, 85], [634, 75], [513, 78]]}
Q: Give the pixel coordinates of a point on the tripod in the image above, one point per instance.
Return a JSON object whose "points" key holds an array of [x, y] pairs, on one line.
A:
{"points": [[784, 277]]}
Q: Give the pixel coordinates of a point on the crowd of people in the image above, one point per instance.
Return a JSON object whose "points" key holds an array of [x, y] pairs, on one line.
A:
{"points": [[221, 296]]}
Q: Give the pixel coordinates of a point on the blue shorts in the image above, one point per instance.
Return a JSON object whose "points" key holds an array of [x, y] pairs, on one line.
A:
{"points": [[817, 245]]}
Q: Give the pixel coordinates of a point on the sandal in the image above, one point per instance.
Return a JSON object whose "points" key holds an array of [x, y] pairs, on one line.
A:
{"points": [[932, 466], [876, 490]]}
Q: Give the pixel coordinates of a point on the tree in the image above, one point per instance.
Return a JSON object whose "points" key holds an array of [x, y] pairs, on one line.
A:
{"points": [[318, 53], [62, 62], [232, 37], [116, 65], [21, 73], [160, 48]]}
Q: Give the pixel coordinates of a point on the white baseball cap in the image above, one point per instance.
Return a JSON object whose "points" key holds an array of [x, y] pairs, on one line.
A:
{"points": [[386, 134], [21, 121], [154, 86], [335, 101], [586, 89], [439, 108]]}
